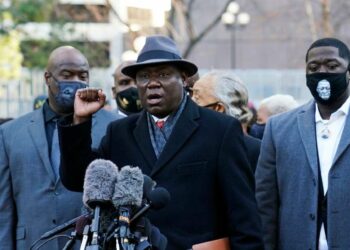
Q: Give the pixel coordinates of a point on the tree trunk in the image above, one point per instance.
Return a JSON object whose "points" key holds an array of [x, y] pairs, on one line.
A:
{"points": [[311, 18], [326, 18]]}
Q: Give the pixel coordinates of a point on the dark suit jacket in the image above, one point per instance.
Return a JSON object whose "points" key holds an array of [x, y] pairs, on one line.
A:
{"points": [[253, 150], [203, 165]]}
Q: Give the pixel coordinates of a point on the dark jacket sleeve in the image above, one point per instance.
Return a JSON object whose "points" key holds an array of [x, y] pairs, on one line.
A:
{"points": [[76, 152], [237, 185], [253, 150]]}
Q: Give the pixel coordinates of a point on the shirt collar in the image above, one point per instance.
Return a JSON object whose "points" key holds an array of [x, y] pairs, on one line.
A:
{"points": [[49, 114], [155, 119], [344, 109]]}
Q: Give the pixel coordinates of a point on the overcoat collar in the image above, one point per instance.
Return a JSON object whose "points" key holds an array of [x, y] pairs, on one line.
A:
{"points": [[182, 131]]}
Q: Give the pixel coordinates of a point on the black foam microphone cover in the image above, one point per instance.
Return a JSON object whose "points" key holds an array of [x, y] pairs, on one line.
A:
{"points": [[148, 185], [159, 198]]}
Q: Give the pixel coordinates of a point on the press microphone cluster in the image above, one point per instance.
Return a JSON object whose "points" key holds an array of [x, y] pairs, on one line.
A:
{"points": [[129, 193], [100, 179], [117, 200]]}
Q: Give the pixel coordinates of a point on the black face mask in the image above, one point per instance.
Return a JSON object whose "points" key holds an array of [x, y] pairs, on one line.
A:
{"points": [[257, 130], [326, 88], [128, 101], [66, 94]]}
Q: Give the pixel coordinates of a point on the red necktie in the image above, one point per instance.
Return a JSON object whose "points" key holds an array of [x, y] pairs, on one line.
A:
{"points": [[160, 123]]}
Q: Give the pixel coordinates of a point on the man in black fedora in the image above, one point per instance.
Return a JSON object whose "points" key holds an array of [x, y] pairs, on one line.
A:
{"points": [[198, 155]]}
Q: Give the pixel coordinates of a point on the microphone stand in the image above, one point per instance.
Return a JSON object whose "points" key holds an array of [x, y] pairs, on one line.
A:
{"points": [[71, 241], [85, 237], [95, 230], [124, 230]]}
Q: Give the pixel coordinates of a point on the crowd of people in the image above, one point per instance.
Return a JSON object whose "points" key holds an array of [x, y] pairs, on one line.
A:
{"points": [[270, 178]]}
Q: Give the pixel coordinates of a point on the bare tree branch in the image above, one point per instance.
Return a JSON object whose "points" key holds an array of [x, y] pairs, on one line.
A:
{"points": [[170, 20], [188, 18], [194, 41], [190, 5], [258, 7], [93, 9]]}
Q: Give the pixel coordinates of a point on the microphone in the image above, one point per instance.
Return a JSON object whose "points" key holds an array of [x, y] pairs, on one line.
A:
{"points": [[100, 179], [127, 195], [157, 199], [78, 232], [146, 235], [148, 185]]}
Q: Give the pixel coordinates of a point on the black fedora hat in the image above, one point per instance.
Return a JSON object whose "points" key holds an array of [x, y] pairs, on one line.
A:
{"points": [[159, 50]]}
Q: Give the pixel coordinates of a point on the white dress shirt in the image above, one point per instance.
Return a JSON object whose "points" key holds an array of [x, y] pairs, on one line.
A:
{"points": [[328, 137]]}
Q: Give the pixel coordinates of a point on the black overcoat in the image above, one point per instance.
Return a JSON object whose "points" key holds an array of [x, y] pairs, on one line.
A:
{"points": [[203, 165]]}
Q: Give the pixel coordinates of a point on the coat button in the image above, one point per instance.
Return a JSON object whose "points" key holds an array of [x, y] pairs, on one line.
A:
{"points": [[312, 216]]}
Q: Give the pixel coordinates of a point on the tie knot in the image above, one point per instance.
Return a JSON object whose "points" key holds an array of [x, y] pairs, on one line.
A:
{"points": [[160, 123]]}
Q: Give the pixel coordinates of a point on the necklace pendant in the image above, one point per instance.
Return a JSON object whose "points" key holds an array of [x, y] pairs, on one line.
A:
{"points": [[325, 133]]}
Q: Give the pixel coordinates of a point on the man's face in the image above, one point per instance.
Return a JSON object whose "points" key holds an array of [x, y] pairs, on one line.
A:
{"points": [[324, 89], [160, 89], [325, 59], [203, 92], [121, 81], [65, 67]]}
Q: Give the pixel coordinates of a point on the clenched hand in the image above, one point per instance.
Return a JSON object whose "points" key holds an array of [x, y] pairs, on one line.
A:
{"points": [[87, 102]]}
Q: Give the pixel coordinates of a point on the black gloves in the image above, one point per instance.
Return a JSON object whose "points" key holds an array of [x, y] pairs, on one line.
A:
{"points": [[149, 235]]}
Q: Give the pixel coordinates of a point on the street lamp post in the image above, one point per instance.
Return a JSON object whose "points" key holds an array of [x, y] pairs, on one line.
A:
{"points": [[234, 19]]}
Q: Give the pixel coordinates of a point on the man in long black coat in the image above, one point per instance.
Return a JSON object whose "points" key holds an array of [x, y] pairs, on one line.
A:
{"points": [[198, 155]]}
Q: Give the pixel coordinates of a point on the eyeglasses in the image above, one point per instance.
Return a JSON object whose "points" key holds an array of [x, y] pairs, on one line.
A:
{"points": [[162, 77], [210, 105]]}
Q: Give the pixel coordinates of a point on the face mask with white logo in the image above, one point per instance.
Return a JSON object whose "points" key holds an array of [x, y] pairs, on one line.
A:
{"points": [[326, 88]]}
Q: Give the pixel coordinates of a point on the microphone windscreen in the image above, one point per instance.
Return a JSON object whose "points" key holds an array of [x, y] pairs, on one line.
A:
{"points": [[129, 187], [159, 197], [148, 185], [100, 178]]}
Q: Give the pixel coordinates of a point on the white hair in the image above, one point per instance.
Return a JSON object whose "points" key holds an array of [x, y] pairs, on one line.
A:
{"points": [[232, 93], [276, 104]]}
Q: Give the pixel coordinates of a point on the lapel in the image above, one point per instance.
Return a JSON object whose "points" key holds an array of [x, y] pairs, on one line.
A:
{"points": [[182, 130], [36, 130], [143, 140], [344, 140], [94, 120], [307, 130]]}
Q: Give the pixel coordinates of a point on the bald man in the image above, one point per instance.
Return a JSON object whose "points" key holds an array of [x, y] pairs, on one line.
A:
{"points": [[32, 198], [125, 92]]}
